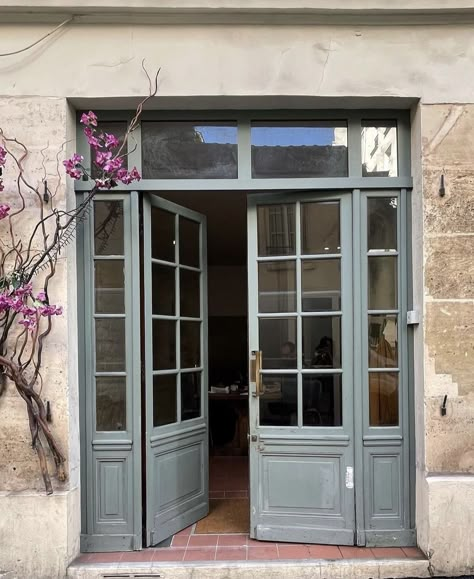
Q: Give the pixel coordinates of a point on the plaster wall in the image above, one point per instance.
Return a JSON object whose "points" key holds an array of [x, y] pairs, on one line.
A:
{"points": [[274, 65]]}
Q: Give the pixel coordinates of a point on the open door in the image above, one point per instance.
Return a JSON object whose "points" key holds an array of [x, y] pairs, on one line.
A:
{"points": [[175, 348], [301, 394]]}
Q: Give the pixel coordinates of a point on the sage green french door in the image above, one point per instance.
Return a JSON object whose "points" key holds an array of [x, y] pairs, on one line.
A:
{"points": [[329, 404], [175, 348], [301, 403]]}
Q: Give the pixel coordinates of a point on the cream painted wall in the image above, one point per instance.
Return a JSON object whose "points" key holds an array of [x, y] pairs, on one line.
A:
{"points": [[431, 63]]}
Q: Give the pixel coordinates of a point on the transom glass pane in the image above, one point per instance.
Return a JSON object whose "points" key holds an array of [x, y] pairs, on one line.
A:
{"points": [[299, 149], [110, 403], [108, 228], [279, 401], [320, 228], [276, 230], [382, 223], [379, 149], [189, 150], [322, 400], [277, 286], [278, 342], [321, 285]]}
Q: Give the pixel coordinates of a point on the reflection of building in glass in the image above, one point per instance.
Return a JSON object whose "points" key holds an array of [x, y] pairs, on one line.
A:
{"points": [[379, 151]]}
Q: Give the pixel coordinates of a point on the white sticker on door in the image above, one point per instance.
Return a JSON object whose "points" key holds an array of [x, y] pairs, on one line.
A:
{"points": [[349, 477]]}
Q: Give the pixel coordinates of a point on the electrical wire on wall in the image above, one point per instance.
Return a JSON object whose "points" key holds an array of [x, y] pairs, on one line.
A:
{"points": [[40, 39]]}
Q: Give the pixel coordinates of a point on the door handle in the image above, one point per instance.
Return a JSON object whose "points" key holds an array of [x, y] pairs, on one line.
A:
{"points": [[258, 376]]}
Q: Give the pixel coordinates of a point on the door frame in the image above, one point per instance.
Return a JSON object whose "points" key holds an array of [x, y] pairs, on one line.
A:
{"points": [[91, 539]]}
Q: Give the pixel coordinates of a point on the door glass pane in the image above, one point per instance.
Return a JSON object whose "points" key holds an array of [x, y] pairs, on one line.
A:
{"points": [[320, 228], [109, 286], [189, 150], [277, 286], [110, 345], [321, 285], [163, 289], [190, 291], [379, 149], [279, 401], [278, 342], [299, 149], [190, 344], [190, 395], [322, 400], [322, 342], [383, 341], [383, 397], [118, 129], [110, 403], [382, 223], [383, 283], [164, 344], [164, 400], [276, 230], [189, 246], [163, 235], [108, 228]]}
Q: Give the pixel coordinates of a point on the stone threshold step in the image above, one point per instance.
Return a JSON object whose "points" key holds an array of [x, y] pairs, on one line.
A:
{"points": [[322, 569]]}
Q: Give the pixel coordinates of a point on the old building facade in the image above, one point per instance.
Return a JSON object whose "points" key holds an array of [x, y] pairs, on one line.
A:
{"points": [[384, 97]]}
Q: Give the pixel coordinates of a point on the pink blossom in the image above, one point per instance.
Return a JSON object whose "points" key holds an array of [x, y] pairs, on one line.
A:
{"points": [[2, 187], [71, 166], [89, 119], [94, 142], [103, 183], [23, 290], [111, 141], [127, 177], [41, 297], [113, 165], [50, 310], [3, 156], [135, 175], [4, 209], [102, 158]]}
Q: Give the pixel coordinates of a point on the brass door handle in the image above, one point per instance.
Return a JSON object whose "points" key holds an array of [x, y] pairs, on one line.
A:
{"points": [[258, 376]]}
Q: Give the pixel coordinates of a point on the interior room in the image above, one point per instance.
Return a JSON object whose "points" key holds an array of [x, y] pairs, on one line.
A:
{"points": [[227, 356]]}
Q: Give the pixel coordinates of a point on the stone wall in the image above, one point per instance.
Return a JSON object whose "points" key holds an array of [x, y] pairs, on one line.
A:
{"points": [[448, 149], [30, 519]]}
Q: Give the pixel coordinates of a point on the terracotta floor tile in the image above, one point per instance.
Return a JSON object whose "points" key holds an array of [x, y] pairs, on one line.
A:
{"points": [[169, 554], [232, 540], [203, 540], [293, 552], [413, 552], [105, 557], [83, 558], [131, 556], [265, 553], [200, 554], [324, 552], [356, 553], [180, 540], [254, 543], [388, 553], [186, 531], [231, 554]]}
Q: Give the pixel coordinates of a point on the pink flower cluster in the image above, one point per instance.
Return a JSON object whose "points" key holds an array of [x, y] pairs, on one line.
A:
{"points": [[3, 160], [22, 301], [110, 163]]}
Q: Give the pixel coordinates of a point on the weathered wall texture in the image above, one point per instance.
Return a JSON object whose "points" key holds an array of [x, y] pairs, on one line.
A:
{"points": [[30, 519], [448, 149]]}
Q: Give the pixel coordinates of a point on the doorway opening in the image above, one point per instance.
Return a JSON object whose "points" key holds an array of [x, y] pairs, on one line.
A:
{"points": [[227, 357]]}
